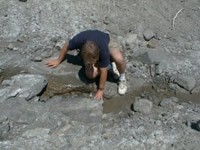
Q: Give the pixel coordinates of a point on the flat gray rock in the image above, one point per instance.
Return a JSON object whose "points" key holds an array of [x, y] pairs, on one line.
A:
{"points": [[80, 109]]}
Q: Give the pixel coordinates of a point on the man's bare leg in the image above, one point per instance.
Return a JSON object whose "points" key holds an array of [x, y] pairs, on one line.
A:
{"points": [[117, 57]]}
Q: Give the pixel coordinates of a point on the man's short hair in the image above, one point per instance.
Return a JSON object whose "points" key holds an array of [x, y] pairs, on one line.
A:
{"points": [[90, 52]]}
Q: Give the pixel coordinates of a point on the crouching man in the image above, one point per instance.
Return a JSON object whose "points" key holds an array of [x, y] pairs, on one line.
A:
{"points": [[98, 52]]}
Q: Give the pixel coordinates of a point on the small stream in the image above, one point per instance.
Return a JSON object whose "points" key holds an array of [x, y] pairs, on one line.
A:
{"points": [[60, 86]]}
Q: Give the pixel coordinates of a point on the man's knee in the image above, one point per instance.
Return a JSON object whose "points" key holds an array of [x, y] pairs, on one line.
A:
{"points": [[117, 57]]}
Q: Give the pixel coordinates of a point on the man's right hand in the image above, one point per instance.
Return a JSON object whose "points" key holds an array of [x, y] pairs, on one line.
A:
{"points": [[53, 63]]}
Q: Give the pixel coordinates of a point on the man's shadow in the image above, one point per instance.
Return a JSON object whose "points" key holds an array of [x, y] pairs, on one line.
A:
{"points": [[74, 59]]}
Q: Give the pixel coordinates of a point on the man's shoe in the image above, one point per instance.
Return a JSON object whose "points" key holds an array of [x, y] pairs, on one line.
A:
{"points": [[122, 87]]}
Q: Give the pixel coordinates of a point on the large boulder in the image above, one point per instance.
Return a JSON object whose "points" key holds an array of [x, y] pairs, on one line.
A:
{"points": [[23, 85]]}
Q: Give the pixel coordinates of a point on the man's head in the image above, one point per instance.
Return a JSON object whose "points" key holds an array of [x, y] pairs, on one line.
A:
{"points": [[90, 53]]}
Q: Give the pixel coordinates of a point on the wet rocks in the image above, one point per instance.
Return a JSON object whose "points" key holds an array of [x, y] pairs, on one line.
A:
{"points": [[110, 91], [143, 105]]}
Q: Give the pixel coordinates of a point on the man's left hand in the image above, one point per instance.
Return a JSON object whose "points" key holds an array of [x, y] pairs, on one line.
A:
{"points": [[99, 95]]}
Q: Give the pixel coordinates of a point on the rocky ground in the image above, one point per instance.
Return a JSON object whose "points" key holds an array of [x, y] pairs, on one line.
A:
{"points": [[53, 109]]}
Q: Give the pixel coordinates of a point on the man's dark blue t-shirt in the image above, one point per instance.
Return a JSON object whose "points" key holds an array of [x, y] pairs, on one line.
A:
{"points": [[100, 38]]}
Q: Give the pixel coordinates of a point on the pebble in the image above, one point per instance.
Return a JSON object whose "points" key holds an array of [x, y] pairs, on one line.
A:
{"points": [[59, 45], [37, 59], [188, 46], [158, 122], [10, 46], [21, 39], [148, 34], [158, 69], [15, 49], [180, 107], [152, 43]]}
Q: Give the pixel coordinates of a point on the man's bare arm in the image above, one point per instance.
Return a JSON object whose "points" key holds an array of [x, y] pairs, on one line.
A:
{"points": [[103, 78], [56, 62]]}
